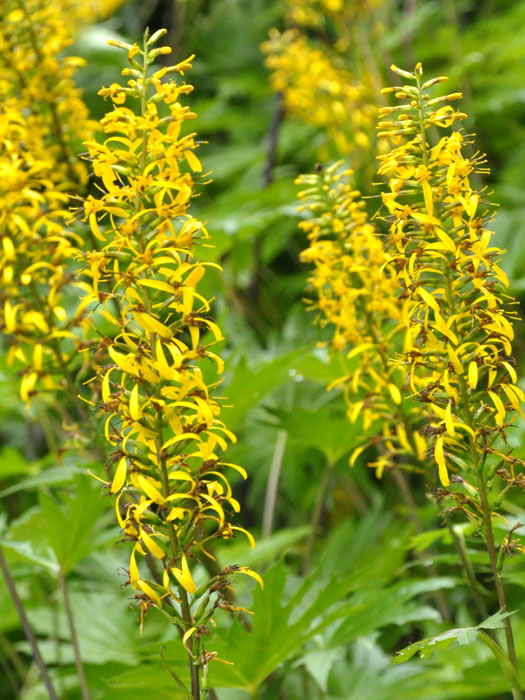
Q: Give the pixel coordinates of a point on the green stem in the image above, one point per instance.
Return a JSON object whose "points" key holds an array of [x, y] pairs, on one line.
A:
{"points": [[491, 547], [273, 483], [10, 584], [459, 544], [316, 516], [74, 639]]}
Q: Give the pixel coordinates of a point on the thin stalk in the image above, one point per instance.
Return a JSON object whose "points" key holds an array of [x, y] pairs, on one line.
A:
{"points": [[10, 584], [9, 652], [273, 483], [316, 516], [459, 544], [429, 567], [493, 556], [74, 639]]}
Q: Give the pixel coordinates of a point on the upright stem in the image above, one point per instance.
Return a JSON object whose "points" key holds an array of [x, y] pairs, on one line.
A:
{"points": [[469, 571], [316, 516], [26, 627], [74, 639], [273, 483], [493, 556], [429, 567]]}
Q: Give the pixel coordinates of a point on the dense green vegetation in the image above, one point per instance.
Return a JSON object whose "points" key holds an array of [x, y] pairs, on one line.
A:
{"points": [[355, 567]]}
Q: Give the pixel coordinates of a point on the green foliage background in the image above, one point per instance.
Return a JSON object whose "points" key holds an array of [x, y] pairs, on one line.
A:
{"points": [[330, 633]]}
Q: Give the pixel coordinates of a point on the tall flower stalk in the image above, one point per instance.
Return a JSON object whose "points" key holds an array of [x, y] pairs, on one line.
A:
{"points": [[355, 297], [458, 315], [43, 121], [162, 423]]}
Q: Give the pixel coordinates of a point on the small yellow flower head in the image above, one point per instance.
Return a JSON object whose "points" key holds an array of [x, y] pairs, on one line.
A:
{"points": [[162, 422], [458, 320]]}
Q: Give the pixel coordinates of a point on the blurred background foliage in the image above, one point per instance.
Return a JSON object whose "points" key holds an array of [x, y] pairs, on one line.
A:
{"points": [[347, 581]]}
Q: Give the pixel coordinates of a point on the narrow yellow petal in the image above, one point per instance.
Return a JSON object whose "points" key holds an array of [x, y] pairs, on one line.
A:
{"points": [[394, 393], [448, 420], [473, 374], [134, 406], [120, 476], [440, 459]]}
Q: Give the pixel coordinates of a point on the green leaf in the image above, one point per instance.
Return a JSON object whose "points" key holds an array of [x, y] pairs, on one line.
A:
{"points": [[463, 635], [61, 532]]}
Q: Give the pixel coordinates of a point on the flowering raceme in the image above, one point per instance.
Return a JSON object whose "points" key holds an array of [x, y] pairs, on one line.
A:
{"points": [[320, 90], [459, 328], [358, 299], [40, 125], [34, 259], [33, 34], [162, 423]]}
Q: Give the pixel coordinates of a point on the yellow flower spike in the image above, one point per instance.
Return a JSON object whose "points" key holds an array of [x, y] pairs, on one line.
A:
{"points": [[459, 319], [162, 423], [319, 91], [354, 287]]}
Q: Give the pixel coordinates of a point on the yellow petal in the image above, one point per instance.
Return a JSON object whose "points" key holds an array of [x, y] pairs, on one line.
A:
{"points": [[120, 476], [134, 407], [183, 576], [395, 394], [440, 459], [473, 374]]}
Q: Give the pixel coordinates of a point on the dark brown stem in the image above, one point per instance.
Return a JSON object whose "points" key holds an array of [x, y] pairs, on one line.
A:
{"points": [[74, 639], [10, 584]]}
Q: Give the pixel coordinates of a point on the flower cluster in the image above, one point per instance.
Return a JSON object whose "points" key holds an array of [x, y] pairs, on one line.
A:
{"points": [[458, 343], [162, 423], [40, 123], [319, 14], [38, 81], [319, 90], [358, 299]]}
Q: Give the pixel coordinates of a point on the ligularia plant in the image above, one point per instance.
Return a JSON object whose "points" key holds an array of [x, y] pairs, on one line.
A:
{"points": [[162, 423], [457, 312]]}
